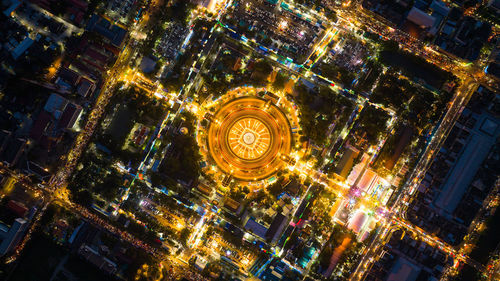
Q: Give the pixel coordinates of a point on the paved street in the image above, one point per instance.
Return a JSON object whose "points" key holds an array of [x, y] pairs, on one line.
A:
{"points": [[250, 138]]}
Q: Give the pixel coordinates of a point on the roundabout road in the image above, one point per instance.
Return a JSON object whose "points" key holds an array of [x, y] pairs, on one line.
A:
{"points": [[247, 138]]}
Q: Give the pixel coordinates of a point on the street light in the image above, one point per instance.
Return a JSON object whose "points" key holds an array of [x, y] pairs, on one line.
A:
{"points": [[283, 24]]}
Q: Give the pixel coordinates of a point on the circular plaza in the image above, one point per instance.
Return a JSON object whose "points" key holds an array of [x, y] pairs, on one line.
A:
{"points": [[248, 138]]}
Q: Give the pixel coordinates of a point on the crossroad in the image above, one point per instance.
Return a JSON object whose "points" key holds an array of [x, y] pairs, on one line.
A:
{"points": [[60, 179], [470, 77]]}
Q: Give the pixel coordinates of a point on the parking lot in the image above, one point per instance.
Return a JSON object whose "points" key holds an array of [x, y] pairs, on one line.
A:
{"points": [[120, 9], [280, 28], [350, 53], [170, 43]]}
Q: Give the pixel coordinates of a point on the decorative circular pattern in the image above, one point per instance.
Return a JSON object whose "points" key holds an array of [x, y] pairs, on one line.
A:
{"points": [[247, 136]]}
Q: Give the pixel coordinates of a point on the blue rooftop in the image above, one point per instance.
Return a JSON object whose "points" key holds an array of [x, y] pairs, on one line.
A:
{"points": [[114, 33], [257, 228], [22, 47]]}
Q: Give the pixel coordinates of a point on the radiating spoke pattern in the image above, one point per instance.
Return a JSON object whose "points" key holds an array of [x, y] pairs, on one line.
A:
{"points": [[249, 138]]}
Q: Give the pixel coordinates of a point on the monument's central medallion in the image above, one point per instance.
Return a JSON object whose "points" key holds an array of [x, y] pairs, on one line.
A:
{"points": [[248, 137]]}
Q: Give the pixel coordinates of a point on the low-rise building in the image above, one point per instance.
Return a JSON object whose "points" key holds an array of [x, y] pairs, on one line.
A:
{"points": [[14, 150], [97, 260], [114, 34], [69, 116], [11, 235], [444, 204], [346, 162]]}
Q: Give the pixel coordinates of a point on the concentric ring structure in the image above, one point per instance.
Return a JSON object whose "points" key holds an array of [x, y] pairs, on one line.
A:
{"points": [[248, 137]]}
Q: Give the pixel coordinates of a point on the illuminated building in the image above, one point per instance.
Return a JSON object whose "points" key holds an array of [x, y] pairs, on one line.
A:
{"points": [[248, 138]]}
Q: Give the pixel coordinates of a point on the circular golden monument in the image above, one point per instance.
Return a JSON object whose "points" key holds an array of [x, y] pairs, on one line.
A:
{"points": [[247, 137]]}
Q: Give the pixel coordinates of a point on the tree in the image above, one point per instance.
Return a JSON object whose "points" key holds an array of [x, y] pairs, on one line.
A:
{"points": [[390, 45], [267, 41], [183, 162], [210, 231], [237, 194], [280, 81], [58, 7], [373, 121], [332, 15], [180, 10], [276, 188], [392, 92], [109, 186], [184, 236], [421, 102], [83, 197], [318, 109], [335, 73], [49, 214], [366, 82], [262, 70]]}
